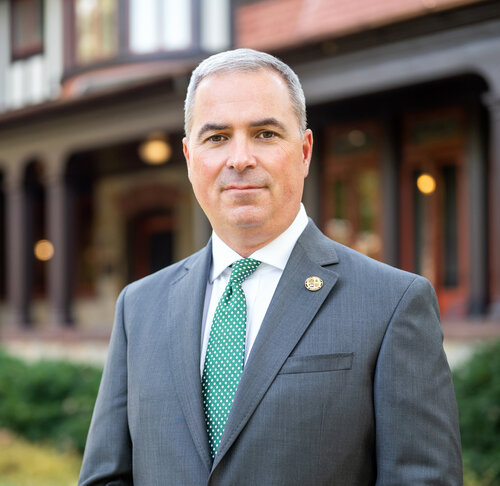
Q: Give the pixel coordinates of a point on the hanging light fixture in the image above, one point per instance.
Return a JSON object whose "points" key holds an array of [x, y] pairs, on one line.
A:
{"points": [[44, 250], [156, 149]]}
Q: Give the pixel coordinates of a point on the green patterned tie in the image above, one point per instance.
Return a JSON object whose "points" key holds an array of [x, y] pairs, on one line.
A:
{"points": [[225, 352]]}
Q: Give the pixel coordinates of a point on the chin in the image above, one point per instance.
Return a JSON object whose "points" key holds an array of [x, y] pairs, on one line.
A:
{"points": [[246, 218]]}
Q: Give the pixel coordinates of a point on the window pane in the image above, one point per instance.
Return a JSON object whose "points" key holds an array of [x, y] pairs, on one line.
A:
{"points": [[161, 250], [340, 196], [339, 227], [355, 214], [157, 25], [143, 26], [215, 24], [96, 30], [368, 241], [176, 25], [26, 25]]}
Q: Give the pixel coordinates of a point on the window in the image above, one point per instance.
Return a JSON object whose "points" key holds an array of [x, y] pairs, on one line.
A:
{"points": [[96, 30], [26, 20], [100, 34]]}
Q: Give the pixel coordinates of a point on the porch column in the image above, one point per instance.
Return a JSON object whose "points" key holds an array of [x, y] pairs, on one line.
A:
{"points": [[17, 253], [493, 103], [478, 215], [389, 189], [59, 284]]}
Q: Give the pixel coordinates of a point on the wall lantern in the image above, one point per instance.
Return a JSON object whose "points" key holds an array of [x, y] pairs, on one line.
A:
{"points": [[156, 149], [426, 183], [44, 250]]}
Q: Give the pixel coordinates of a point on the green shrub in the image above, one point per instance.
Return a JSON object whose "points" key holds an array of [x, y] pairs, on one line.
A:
{"points": [[47, 400], [477, 386]]}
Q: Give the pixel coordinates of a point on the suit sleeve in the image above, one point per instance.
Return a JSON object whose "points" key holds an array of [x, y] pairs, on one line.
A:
{"points": [[107, 458], [417, 434]]}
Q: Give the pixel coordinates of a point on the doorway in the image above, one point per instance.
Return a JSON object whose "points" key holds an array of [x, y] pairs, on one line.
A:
{"points": [[434, 219], [153, 243]]}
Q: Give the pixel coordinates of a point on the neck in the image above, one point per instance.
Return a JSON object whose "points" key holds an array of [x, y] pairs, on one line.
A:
{"points": [[246, 241], [245, 246]]}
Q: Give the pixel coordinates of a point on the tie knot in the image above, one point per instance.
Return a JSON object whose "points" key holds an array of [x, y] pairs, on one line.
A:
{"points": [[242, 269]]}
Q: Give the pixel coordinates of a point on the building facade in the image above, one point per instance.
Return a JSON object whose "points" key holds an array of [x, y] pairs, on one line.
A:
{"points": [[403, 99]]}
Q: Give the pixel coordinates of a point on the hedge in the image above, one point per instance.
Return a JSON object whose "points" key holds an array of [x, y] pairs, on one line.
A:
{"points": [[47, 400], [477, 387]]}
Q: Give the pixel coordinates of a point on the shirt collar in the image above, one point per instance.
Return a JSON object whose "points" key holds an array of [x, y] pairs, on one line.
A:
{"points": [[275, 253]]}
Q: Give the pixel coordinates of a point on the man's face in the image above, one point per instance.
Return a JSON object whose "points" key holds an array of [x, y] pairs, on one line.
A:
{"points": [[246, 156]]}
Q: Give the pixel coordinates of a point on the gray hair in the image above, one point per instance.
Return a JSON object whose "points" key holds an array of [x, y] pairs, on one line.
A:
{"points": [[245, 60]]}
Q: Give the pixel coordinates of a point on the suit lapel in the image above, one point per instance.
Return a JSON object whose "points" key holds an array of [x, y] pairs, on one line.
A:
{"points": [[290, 313], [185, 313]]}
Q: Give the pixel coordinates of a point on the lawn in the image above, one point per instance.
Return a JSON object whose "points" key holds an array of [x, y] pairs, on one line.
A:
{"points": [[26, 464]]}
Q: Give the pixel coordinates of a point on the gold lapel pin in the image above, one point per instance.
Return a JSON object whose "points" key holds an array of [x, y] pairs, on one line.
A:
{"points": [[313, 283]]}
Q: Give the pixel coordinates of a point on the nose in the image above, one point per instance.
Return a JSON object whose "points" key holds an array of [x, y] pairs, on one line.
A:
{"points": [[241, 156]]}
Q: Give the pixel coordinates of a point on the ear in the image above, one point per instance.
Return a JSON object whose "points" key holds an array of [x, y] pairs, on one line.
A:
{"points": [[307, 145], [185, 150]]}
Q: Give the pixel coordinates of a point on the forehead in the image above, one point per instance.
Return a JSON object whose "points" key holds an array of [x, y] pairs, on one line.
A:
{"points": [[241, 92]]}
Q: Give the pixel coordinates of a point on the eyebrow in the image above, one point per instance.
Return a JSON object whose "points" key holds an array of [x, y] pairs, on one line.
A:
{"points": [[268, 122], [209, 127]]}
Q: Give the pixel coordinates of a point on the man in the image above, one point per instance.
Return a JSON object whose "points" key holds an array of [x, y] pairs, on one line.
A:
{"points": [[319, 366]]}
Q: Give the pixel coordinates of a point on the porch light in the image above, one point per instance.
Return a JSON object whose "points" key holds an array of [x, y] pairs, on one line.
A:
{"points": [[44, 250], [156, 149], [426, 183]]}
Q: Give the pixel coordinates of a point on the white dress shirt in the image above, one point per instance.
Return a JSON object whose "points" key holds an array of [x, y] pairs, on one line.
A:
{"points": [[259, 287]]}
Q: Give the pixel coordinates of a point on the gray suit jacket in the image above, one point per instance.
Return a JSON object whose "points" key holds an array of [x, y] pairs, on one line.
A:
{"points": [[344, 386]]}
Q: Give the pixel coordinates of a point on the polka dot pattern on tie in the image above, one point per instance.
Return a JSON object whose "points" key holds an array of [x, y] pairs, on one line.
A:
{"points": [[225, 352]]}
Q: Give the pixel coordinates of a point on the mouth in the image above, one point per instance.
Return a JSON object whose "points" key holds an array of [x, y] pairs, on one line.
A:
{"points": [[242, 187]]}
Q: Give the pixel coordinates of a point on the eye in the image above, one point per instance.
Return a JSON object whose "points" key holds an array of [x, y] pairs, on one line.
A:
{"points": [[217, 138], [267, 134]]}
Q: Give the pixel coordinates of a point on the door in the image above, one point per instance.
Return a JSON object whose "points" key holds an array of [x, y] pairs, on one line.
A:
{"points": [[153, 243], [352, 209], [434, 219]]}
